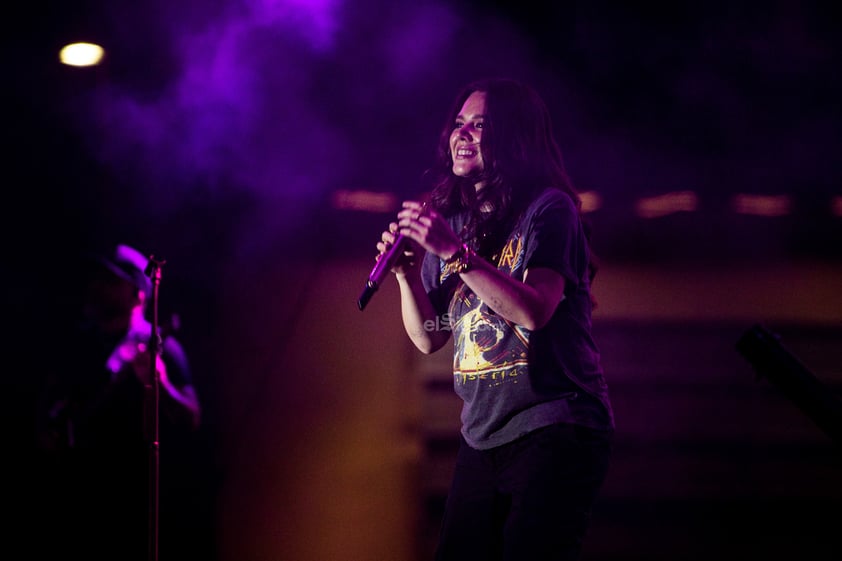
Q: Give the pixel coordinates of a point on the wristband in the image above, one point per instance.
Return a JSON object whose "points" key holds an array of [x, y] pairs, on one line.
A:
{"points": [[460, 262]]}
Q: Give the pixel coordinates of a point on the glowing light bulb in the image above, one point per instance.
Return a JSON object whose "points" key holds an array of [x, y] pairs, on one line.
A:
{"points": [[81, 54]]}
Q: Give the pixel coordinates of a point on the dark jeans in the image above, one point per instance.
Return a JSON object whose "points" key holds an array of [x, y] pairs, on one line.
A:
{"points": [[529, 500]]}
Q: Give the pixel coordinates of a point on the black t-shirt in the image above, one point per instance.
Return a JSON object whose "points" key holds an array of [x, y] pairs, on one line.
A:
{"points": [[92, 401], [91, 479], [513, 380]]}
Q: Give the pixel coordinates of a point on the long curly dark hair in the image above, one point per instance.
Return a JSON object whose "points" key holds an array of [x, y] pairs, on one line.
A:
{"points": [[521, 157]]}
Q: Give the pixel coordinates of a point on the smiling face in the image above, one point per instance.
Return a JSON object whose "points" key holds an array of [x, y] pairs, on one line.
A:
{"points": [[465, 139]]}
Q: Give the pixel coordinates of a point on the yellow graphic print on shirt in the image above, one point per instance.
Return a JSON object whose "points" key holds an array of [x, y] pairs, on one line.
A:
{"points": [[488, 349]]}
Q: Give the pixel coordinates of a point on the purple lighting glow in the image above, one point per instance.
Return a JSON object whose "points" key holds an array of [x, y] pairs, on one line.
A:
{"points": [[270, 102], [270, 106]]}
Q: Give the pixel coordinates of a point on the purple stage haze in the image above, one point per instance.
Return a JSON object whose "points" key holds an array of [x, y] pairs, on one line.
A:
{"points": [[242, 117]]}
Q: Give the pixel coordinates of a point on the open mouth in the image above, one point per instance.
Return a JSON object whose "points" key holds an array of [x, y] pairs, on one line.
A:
{"points": [[466, 152]]}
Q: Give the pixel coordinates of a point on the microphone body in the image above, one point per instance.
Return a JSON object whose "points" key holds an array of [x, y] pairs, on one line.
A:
{"points": [[381, 269]]}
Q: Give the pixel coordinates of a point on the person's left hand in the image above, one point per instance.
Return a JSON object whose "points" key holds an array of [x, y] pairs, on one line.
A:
{"points": [[428, 228], [134, 357]]}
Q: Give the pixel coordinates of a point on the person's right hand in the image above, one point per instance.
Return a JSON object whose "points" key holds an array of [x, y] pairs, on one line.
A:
{"points": [[409, 261], [131, 357]]}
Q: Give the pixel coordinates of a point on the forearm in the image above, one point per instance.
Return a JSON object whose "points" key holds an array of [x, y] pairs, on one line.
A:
{"points": [[518, 302], [183, 403], [425, 329], [179, 402]]}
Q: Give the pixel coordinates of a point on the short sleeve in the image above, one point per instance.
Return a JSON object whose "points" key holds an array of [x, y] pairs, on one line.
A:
{"points": [[178, 367], [555, 237]]}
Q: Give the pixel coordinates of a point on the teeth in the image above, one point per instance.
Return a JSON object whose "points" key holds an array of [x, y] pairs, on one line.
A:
{"points": [[464, 152]]}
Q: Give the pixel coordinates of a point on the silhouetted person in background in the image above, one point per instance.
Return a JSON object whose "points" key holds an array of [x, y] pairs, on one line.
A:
{"points": [[500, 259], [93, 448]]}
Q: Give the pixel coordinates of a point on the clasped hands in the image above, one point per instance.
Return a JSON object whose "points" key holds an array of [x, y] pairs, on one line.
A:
{"points": [[425, 228], [133, 356]]}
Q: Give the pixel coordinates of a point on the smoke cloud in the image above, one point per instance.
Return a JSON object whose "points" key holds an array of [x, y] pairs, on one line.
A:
{"points": [[249, 113]]}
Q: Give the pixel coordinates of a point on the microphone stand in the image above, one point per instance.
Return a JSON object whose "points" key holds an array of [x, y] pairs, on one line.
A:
{"points": [[151, 409], [764, 350]]}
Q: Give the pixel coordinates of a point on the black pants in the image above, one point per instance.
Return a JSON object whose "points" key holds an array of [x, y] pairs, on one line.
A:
{"points": [[529, 500]]}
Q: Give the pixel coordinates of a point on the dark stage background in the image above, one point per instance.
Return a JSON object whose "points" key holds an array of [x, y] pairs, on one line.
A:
{"points": [[260, 147]]}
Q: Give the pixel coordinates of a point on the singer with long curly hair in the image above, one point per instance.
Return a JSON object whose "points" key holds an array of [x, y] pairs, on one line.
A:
{"points": [[499, 259]]}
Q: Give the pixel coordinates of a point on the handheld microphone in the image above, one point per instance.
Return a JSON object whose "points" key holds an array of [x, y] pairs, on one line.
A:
{"points": [[381, 269], [384, 265]]}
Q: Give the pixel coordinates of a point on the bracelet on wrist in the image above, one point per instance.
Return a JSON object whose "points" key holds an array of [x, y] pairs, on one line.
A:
{"points": [[457, 254], [460, 262]]}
